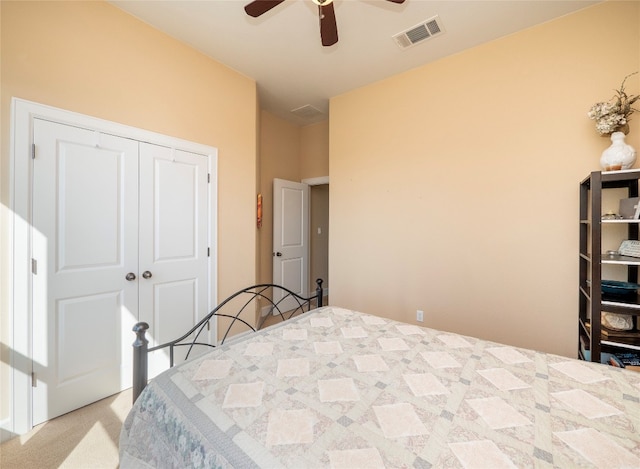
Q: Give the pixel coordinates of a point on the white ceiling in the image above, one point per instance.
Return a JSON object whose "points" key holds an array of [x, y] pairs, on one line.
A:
{"points": [[281, 50]]}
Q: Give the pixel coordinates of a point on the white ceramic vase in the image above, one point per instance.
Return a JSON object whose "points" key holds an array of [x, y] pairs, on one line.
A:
{"points": [[619, 155]]}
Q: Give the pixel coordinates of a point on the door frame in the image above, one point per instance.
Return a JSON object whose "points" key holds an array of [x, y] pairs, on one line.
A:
{"points": [[19, 289], [317, 181]]}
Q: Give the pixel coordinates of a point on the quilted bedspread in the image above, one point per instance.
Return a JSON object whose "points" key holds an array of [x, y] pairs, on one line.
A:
{"points": [[342, 389]]}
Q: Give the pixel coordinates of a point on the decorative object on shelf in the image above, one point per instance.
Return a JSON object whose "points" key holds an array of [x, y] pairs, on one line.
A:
{"points": [[617, 322], [619, 155], [630, 247], [611, 216], [612, 119], [618, 288], [613, 115], [630, 208]]}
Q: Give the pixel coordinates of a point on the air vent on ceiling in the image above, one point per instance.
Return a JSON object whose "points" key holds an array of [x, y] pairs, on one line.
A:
{"points": [[307, 111], [425, 30]]}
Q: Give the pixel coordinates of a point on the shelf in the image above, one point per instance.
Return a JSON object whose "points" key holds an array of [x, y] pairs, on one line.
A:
{"points": [[621, 305], [622, 260], [613, 303], [594, 236], [621, 221], [633, 173], [634, 345], [615, 337], [622, 178]]}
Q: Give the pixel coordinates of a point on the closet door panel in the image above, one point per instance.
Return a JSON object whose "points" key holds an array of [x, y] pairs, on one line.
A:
{"points": [[173, 244], [84, 242]]}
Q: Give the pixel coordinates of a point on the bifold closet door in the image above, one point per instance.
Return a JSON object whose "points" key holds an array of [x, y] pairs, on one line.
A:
{"points": [[84, 243]]}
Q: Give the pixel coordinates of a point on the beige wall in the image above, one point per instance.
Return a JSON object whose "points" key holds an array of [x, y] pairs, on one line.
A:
{"points": [[314, 163], [279, 158], [454, 187], [314, 150], [287, 152], [91, 58]]}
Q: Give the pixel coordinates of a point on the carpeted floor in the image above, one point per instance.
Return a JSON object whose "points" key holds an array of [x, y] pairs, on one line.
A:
{"points": [[84, 439]]}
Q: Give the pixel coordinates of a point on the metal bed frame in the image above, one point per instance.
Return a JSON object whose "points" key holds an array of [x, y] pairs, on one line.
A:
{"points": [[249, 295]]}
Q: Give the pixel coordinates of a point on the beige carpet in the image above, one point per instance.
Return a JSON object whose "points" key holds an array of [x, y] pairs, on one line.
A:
{"points": [[84, 439]]}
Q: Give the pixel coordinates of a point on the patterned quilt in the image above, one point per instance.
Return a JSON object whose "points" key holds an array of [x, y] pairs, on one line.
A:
{"points": [[342, 389]]}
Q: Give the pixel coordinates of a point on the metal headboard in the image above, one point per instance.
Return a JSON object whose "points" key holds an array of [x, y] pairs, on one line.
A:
{"points": [[248, 296]]}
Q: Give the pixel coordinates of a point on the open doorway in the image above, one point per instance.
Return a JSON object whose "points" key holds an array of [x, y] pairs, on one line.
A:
{"points": [[319, 235]]}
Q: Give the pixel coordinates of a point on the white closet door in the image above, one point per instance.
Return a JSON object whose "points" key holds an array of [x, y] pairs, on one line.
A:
{"points": [[173, 245], [84, 242]]}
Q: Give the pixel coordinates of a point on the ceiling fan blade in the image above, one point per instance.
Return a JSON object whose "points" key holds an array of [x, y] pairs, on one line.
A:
{"points": [[328, 27], [258, 7], [396, 1]]}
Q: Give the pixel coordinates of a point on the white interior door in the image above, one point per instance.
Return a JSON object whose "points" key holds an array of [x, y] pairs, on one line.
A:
{"points": [[290, 238], [84, 242], [173, 246]]}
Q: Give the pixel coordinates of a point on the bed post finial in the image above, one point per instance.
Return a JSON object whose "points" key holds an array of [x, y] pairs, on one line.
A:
{"points": [[319, 292], [139, 359]]}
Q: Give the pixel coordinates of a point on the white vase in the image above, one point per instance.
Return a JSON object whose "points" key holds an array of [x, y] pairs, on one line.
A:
{"points": [[619, 155]]}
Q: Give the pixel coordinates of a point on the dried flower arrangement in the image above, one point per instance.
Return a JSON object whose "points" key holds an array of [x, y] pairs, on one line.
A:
{"points": [[613, 115]]}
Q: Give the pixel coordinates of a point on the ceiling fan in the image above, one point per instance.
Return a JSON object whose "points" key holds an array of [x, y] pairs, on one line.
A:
{"points": [[328, 28]]}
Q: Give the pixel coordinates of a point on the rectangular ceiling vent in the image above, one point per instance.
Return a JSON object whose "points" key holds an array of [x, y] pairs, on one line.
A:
{"points": [[307, 111], [425, 30]]}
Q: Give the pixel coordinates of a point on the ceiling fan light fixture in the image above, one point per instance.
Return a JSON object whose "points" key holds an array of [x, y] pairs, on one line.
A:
{"points": [[322, 3]]}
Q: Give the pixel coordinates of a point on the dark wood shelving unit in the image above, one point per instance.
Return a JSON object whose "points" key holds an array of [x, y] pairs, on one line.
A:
{"points": [[592, 335]]}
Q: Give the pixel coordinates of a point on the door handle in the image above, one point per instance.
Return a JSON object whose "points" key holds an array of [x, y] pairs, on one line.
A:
{"points": [[279, 254], [130, 276], [146, 274]]}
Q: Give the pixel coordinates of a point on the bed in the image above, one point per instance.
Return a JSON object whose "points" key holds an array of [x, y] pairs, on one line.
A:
{"points": [[344, 389]]}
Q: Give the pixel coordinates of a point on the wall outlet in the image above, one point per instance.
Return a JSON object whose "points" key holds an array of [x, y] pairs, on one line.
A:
{"points": [[419, 315]]}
